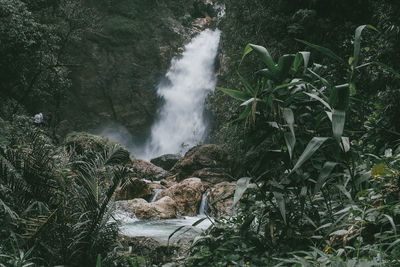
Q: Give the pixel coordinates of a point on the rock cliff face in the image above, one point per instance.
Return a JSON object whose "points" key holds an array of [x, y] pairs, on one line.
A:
{"points": [[123, 60]]}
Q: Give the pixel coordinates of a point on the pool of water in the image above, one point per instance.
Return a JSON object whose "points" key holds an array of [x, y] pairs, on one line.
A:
{"points": [[160, 230]]}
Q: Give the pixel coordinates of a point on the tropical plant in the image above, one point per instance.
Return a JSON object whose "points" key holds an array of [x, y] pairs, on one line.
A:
{"points": [[57, 204], [305, 174]]}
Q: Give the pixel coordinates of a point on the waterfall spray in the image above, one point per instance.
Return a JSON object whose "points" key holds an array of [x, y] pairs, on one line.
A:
{"points": [[181, 123]]}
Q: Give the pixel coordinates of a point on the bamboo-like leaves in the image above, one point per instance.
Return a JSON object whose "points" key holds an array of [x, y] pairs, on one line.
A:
{"points": [[324, 174], [302, 56], [241, 186], [357, 42], [323, 102], [311, 148], [264, 55], [325, 51], [280, 200], [290, 137], [239, 95], [338, 120]]}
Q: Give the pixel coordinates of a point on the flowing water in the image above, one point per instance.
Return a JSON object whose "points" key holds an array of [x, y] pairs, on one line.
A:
{"points": [[156, 192], [181, 123], [203, 205], [162, 229]]}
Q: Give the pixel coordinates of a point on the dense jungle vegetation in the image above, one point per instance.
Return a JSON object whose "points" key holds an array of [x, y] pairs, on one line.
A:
{"points": [[307, 105]]}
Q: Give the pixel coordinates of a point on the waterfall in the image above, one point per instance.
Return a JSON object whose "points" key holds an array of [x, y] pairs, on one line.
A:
{"points": [[181, 123], [203, 204], [156, 192]]}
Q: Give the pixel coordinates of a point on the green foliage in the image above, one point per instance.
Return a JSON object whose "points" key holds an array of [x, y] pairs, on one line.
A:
{"points": [[56, 205], [312, 189]]}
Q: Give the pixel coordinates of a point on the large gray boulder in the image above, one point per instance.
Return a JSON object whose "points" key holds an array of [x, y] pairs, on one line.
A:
{"points": [[135, 188], [187, 195], [209, 162], [220, 199], [164, 208], [166, 161], [147, 170]]}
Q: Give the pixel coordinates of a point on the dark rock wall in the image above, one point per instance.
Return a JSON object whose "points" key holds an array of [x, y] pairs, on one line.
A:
{"points": [[123, 60]]}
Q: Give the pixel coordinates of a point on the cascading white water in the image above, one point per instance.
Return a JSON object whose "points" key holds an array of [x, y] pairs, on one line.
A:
{"points": [[203, 205], [156, 192], [181, 123]]}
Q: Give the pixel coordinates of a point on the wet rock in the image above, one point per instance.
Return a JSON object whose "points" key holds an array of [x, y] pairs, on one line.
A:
{"points": [[154, 186], [220, 203], [187, 195], [167, 183], [164, 208], [147, 170], [135, 188], [166, 161], [209, 162]]}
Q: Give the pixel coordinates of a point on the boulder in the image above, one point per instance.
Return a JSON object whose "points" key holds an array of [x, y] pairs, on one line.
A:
{"points": [[135, 188], [187, 195], [167, 183], [147, 170], [164, 208], [153, 186], [209, 162], [223, 203], [81, 142], [166, 161]]}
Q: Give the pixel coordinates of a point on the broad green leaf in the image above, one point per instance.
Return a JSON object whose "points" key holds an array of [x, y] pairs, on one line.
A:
{"points": [[324, 174], [290, 140], [283, 66], [323, 50], [301, 57], [263, 53], [340, 97], [241, 186], [329, 114], [306, 57], [324, 81], [246, 51], [338, 120], [319, 99], [239, 95], [390, 219], [357, 42], [297, 62], [311, 148], [345, 144], [280, 200], [289, 118]]}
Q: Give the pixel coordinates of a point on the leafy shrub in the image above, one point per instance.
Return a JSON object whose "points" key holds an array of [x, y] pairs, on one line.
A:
{"points": [[311, 185]]}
